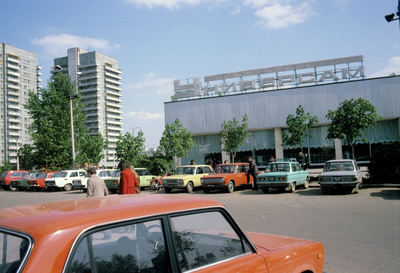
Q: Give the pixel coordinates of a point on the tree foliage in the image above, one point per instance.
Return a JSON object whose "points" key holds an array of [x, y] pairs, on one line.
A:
{"points": [[350, 119], [233, 134], [129, 148], [94, 151], [50, 129], [176, 141], [299, 127]]}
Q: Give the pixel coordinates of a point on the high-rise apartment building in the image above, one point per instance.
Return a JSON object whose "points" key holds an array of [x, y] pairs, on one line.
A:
{"points": [[98, 81], [19, 72]]}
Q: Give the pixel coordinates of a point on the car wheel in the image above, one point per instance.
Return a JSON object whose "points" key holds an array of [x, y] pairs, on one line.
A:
{"points": [[113, 191], [189, 187], [292, 187], [68, 187], [360, 186], [168, 190], [231, 187], [6, 187], [84, 190], [265, 190], [306, 183], [324, 190], [38, 189], [11, 188], [141, 188], [206, 190]]}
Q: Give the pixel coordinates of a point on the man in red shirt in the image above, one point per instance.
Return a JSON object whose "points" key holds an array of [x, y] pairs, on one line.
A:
{"points": [[127, 182]]}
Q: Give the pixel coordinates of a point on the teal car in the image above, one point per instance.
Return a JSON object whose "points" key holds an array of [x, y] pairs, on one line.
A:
{"points": [[285, 174]]}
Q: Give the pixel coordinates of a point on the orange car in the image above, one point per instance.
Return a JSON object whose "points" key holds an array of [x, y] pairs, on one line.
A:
{"points": [[163, 233], [227, 176], [38, 182]]}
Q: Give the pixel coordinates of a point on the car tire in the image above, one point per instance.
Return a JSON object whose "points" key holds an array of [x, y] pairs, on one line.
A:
{"points": [[206, 191], [265, 190], [84, 190], [168, 190], [113, 191], [292, 187], [231, 187], [360, 186], [67, 187], [324, 190], [189, 187], [306, 183], [11, 188]]}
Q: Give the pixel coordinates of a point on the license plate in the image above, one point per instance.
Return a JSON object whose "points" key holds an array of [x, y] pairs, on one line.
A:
{"points": [[337, 178], [210, 186]]}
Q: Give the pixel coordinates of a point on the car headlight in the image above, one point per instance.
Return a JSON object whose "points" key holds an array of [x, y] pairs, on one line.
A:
{"points": [[201, 181], [180, 181]]}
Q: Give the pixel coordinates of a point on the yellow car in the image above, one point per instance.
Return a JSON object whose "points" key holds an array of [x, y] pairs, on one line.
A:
{"points": [[186, 177]]}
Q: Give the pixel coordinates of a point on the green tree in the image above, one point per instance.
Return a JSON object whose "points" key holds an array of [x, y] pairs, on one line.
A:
{"points": [[350, 119], [26, 156], [51, 124], [94, 151], [233, 134], [176, 141], [129, 148], [7, 166], [299, 127]]}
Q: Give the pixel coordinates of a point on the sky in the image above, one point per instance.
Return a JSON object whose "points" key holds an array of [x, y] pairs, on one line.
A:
{"points": [[159, 41]]}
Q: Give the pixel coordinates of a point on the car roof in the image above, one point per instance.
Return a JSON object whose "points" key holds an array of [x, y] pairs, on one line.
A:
{"points": [[194, 166], [341, 160], [73, 216]]}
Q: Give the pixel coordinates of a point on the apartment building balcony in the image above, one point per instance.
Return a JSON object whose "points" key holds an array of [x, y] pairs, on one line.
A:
{"points": [[12, 147], [14, 134], [90, 96], [93, 114], [13, 59], [13, 86], [10, 99], [39, 67], [16, 74], [113, 93], [112, 75], [113, 110], [14, 120], [12, 106], [113, 122], [116, 105], [112, 139], [109, 68], [13, 140], [93, 70], [113, 81], [89, 89], [91, 108], [116, 128], [87, 65], [85, 77], [12, 66], [113, 99], [109, 116], [12, 154], [39, 80], [14, 114], [113, 87], [91, 125], [12, 92], [11, 79], [89, 83], [39, 86], [39, 73]]}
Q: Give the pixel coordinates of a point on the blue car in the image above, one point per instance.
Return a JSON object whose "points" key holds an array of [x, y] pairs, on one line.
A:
{"points": [[285, 174]]}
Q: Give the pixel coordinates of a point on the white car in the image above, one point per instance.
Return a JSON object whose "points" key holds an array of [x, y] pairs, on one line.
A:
{"points": [[64, 179], [81, 183], [341, 174]]}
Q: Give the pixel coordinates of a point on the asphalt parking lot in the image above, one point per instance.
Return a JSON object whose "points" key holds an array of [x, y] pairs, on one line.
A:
{"points": [[360, 232]]}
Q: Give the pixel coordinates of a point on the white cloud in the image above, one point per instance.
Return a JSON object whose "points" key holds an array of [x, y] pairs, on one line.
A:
{"points": [[57, 45], [170, 4], [145, 116], [392, 67], [152, 84], [281, 14]]}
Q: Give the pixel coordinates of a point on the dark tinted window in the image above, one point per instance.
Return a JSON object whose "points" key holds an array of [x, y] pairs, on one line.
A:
{"points": [[13, 251], [138, 247]]}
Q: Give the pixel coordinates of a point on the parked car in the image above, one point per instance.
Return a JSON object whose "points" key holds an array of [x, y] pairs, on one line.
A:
{"points": [[156, 183], [112, 183], [81, 182], [186, 177], [22, 183], [285, 174], [145, 177], [228, 177], [64, 179], [8, 176], [341, 174], [38, 183], [150, 233]]}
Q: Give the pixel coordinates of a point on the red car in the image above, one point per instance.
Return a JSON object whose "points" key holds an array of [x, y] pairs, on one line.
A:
{"points": [[38, 182], [144, 233], [8, 176], [227, 176]]}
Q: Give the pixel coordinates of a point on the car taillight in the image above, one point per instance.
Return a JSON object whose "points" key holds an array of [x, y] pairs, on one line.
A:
{"points": [[282, 178], [355, 178], [261, 178]]}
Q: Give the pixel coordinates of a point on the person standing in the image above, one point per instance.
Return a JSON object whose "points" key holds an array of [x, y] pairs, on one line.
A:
{"points": [[253, 171], [95, 185], [132, 168], [127, 181]]}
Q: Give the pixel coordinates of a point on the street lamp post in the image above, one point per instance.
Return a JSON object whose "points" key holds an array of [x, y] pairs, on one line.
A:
{"points": [[133, 130], [71, 97]]}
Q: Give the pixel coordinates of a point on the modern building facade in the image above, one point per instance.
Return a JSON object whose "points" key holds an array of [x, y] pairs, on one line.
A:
{"points": [[19, 74], [98, 80], [268, 95]]}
